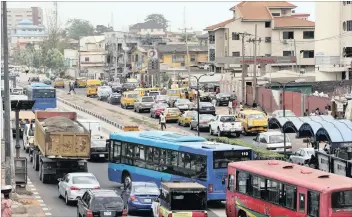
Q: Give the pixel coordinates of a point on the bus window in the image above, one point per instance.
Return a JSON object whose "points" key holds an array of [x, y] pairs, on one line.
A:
{"points": [[313, 203], [117, 152], [302, 202], [242, 182], [43, 93]]}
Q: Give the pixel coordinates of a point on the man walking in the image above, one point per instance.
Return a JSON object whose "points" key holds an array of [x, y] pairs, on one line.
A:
{"points": [[230, 107], [162, 121]]}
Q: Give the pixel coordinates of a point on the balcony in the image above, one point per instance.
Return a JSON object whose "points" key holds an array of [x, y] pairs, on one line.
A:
{"points": [[332, 63]]}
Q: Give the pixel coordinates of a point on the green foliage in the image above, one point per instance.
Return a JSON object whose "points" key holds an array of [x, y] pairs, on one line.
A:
{"points": [[189, 37], [100, 29], [54, 59], [78, 28], [158, 18], [260, 152]]}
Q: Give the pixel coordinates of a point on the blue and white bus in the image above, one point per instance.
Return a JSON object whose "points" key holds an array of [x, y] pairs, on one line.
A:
{"points": [[166, 156], [44, 96]]}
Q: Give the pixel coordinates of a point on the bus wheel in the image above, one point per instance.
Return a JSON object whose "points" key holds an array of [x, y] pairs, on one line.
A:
{"points": [[242, 213], [126, 178]]}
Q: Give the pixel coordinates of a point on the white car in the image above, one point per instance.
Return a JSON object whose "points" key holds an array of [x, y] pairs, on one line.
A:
{"points": [[302, 156], [104, 92], [183, 104], [74, 185], [273, 141], [225, 124]]}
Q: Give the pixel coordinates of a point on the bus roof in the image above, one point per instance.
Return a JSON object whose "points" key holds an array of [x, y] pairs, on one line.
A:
{"points": [[295, 174], [174, 141], [183, 185], [39, 86]]}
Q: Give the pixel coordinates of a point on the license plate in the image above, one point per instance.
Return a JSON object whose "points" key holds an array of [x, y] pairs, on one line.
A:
{"points": [[101, 155], [208, 108], [148, 200], [279, 149], [107, 213]]}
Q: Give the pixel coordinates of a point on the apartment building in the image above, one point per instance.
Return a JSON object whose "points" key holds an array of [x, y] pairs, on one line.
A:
{"points": [[281, 33], [148, 28], [333, 34], [15, 15]]}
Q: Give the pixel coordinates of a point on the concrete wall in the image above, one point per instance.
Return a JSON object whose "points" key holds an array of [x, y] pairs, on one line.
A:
{"points": [[219, 43], [200, 57]]}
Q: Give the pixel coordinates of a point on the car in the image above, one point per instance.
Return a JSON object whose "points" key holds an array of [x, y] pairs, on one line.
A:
{"points": [[154, 93], [205, 108], [172, 114], [204, 97], [73, 185], [104, 92], [172, 100], [204, 122], [186, 118], [46, 81], [225, 124], [116, 87], [157, 109], [138, 196], [144, 103], [161, 99], [128, 87], [100, 203], [223, 99], [273, 141], [302, 156], [114, 98], [33, 79], [280, 113], [183, 104]]}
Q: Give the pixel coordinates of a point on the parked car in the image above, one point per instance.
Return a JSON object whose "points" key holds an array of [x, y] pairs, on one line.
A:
{"points": [[116, 87], [186, 118], [203, 123], [154, 93], [225, 124], [103, 92], [172, 114], [161, 99], [144, 103], [73, 185], [100, 203], [302, 156], [205, 108], [223, 99], [157, 109], [114, 98], [273, 141], [183, 104], [46, 81], [138, 196]]}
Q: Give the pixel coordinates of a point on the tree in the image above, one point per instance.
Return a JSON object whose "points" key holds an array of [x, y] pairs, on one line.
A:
{"points": [[100, 29], [55, 60], [189, 37], [158, 18], [78, 28]]}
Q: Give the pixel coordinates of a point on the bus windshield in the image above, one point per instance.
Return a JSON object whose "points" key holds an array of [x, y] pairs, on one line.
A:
{"points": [[43, 93], [222, 158], [342, 200]]}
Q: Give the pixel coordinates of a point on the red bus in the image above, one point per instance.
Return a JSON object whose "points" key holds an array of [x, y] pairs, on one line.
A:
{"points": [[278, 188]]}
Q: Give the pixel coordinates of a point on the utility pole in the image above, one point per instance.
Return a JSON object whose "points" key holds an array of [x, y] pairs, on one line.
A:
{"points": [[187, 51], [298, 70], [79, 57], [255, 63], [56, 15], [7, 107], [244, 72], [117, 57]]}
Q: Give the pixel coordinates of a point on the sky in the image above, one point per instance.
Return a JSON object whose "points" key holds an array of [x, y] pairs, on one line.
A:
{"points": [[123, 14]]}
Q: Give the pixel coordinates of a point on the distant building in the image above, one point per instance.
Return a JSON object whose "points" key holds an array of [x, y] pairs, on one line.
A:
{"points": [[27, 33], [203, 39], [148, 28]]}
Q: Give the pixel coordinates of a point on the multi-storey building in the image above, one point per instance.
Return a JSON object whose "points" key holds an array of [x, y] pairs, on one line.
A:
{"points": [[333, 45], [148, 28], [281, 33]]}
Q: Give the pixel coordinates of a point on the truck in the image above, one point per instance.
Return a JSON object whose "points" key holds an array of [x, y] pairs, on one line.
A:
{"points": [[61, 145], [98, 149]]}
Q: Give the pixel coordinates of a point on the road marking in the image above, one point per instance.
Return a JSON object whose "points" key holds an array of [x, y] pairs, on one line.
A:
{"points": [[33, 189], [47, 213], [35, 193], [45, 209], [37, 197], [31, 186]]}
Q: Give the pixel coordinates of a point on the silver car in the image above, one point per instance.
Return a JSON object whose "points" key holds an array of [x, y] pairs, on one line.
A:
{"points": [[273, 141], [204, 121], [183, 104], [302, 155], [74, 185], [144, 103]]}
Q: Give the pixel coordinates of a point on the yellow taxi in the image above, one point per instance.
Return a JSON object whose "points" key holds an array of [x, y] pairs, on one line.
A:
{"points": [[81, 82], [253, 121], [178, 92], [92, 86], [172, 114], [59, 82], [186, 118], [128, 99]]}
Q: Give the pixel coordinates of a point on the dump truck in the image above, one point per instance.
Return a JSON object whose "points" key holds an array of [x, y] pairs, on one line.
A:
{"points": [[61, 145]]}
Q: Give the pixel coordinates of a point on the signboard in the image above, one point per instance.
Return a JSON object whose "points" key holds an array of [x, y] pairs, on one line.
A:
{"points": [[260, 59], [152, 54], [339, 107]]}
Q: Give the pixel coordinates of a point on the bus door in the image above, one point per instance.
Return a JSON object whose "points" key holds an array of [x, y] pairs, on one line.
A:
{"points": [[230, 195], [302, 201]]}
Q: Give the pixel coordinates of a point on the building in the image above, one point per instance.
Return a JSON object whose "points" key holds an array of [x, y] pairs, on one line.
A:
{"points": [[148, 28], [280, 31], [71, 62], [333, 44], [203, 39], [27, 33], [139, 59], [92, 55]]}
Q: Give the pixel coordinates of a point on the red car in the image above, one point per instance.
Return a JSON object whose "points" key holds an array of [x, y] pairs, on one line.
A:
{"points": [[157, 109]]}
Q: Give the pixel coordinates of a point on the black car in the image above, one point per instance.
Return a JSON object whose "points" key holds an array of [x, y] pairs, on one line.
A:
{"points": [[114, 98], [205, 108], [223, 99], [34, 79], [116, 88], [100, 203], [128, 87], [46, 81]]}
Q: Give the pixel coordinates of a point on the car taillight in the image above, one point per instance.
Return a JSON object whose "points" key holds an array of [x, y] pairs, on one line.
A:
{"points": [[170, 215], [73, 188], [203, 122], [205, 214], [210, 188], [89, 213], [133, 198], [98, 187]]}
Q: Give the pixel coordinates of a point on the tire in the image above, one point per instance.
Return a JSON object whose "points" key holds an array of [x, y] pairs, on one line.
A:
{"points": [[126, 178], [238, 135], [67, 201], [179, 123], [242, 213], [58, 191], [219, 132], [210, 131], [190, 127]]}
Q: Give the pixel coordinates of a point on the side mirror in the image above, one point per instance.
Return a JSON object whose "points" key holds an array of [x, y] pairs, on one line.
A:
{"points": [[59, 179]]}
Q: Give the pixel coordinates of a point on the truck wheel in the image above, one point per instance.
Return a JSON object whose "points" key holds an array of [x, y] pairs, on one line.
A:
{"points": [[36, 159], [238, 135], [42, 176]]}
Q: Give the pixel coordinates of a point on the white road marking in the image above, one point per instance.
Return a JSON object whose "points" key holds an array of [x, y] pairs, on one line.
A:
{"points": [[45, 209], [37, 197], [47, 213], [33, 189], [35, 193]]}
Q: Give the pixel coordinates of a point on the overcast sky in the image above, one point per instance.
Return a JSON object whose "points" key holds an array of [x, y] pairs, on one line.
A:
{"points": [[198, 14]]}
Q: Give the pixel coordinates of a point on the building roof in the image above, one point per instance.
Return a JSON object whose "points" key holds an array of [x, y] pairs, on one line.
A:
{"points": [[147, 25], [300, 15], [219, 25], [25, 22], [290, 22], [181, 48], [203, 36], [93, 39]]}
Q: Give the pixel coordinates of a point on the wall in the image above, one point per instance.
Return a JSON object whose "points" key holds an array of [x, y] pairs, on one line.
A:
{"points": [[219, 43], [200, 57], [327, 76], [72, 55]]}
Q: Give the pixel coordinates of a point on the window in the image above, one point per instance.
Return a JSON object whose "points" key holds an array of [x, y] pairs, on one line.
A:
{"points": [[347, 51], [267, 39], [290, 196], [287, 53], [86, 59], [275, 14], [116, 152], [308, 54], [302, 202], [235, 36], [308, 34], [273, 191], [193, 58], [288, 35], [341, 200], [258, 185], [267, 24], [242, 182], [313, 203], [231, 183], [268, 55], [347, 25], [211, 39], [211, 54], [236, 54], [178, 58]]}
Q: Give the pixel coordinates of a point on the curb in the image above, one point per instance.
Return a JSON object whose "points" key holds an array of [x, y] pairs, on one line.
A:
{"points": [[115, 124]]}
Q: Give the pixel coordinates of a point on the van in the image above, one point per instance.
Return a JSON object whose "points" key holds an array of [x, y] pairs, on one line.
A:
{"points": [[92, 86], [128, 99], [253, 121], [81, 82], [59, 82]]}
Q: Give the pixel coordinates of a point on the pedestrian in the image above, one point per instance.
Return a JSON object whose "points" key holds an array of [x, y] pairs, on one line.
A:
{"points": [[214, 102], [6, 204], [230, 107], [317, 112], [69, 87], [187, 94], [306, 113], [241, 106], [254, 104], [162, 121], [217, 90], [234, 106], [312, 113]]}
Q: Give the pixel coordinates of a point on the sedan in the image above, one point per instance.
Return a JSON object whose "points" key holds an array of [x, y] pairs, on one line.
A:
{"points": [[273, 141], [114, 98], [223, 99], [204, 122], [73, 185], [205, 108], [183, 104], [186, 118], [157, 109], [46, 81], [204, 97], [162, 99], [302, 156], [116, 87], [144, 103], [138, 196]]}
